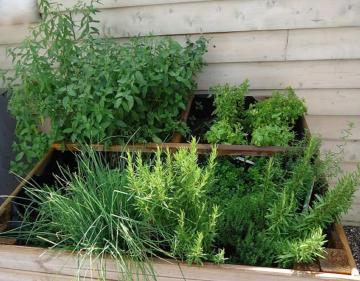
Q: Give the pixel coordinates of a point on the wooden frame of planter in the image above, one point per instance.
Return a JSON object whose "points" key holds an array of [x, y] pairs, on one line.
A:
{"points": [[29, 263]]}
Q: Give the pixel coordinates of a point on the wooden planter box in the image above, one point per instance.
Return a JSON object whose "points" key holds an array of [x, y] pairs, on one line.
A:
{"points": [[29, 263]]}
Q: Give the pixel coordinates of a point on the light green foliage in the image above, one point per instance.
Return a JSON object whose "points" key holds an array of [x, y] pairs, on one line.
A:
{"points": [[94, 89], [272, 135], [302, 250], [178, 186], [272, 119], [134, 209], [229, 111], [226, 133], [282, 109], [270, 122], [265, 216]]}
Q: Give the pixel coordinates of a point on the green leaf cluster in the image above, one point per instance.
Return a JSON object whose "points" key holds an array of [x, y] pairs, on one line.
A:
{"points": [[269, 122], [131, 207], [175, 189], [94, 89], [272, 119], [229, 111], [273, 212]]}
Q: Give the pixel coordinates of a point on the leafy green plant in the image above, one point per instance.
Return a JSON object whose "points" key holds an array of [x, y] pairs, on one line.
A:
{"points": [[93, 89], [131, 208], [224, 132], [178, 187], [272, 135], [272, 119], [229, 111], [268, 122], [267, 207], [282, 109]]}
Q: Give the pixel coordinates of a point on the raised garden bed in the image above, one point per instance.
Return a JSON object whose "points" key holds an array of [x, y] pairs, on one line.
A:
{"points": [[31, 263], [201, 117]]}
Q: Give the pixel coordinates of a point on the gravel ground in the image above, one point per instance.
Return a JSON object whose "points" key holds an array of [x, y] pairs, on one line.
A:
{"points": [[353, 234]]}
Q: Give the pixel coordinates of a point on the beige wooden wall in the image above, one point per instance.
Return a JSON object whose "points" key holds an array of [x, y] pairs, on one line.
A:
{"points": [[313, 46]]}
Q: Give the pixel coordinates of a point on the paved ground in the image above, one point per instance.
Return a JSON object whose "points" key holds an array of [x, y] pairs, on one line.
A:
{"points": [[353, 234]]}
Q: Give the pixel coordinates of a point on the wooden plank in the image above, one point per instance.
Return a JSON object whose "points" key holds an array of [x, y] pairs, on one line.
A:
{"points": [[325, 43], [64, 263], [331, 101], [226, 16], [222, 149], [5, 205], [106, 4], [22, 275], [343, 238], [243, 46], [279, 75], [13, 34], [250, 46], [18, 12], [332, 127], [335, 261], [5, 61], [351, 149]]}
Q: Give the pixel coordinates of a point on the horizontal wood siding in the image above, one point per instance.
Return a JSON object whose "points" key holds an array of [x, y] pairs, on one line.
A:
{"points": [[313, 46]]}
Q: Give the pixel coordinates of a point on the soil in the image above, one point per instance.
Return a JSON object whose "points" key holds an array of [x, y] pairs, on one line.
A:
{"points": [[353, 235]]}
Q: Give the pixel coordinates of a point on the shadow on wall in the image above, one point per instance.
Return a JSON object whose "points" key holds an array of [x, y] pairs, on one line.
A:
{"points": [[18, 12], [7, 129]]}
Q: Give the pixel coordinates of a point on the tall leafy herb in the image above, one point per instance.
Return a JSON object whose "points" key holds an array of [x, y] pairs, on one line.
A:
{"points": [[229, 111], [93, 89]]}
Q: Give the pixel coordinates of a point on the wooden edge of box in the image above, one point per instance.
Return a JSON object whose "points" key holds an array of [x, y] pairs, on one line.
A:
{"points": [[341, 233], [222, 149], [39, 260], [40, 165]]}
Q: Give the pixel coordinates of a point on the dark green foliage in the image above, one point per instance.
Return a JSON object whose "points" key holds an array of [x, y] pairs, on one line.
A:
{"points": [[267, 217], [230, 111], [93, 89]]}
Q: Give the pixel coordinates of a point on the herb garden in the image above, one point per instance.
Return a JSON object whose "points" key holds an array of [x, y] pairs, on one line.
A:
{"points": [[246, 186]]}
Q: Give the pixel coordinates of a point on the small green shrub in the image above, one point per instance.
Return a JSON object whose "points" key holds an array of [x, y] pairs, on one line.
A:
{"points": [[269, 122], [273, 119], [281, 109], [266, 218], [94, 89], [224, 132], [137, 207], [175, 189], [229, 111], [272, 135]]}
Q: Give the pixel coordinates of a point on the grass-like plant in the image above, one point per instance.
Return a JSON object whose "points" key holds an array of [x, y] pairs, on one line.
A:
{"points": [[134, 209]]}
